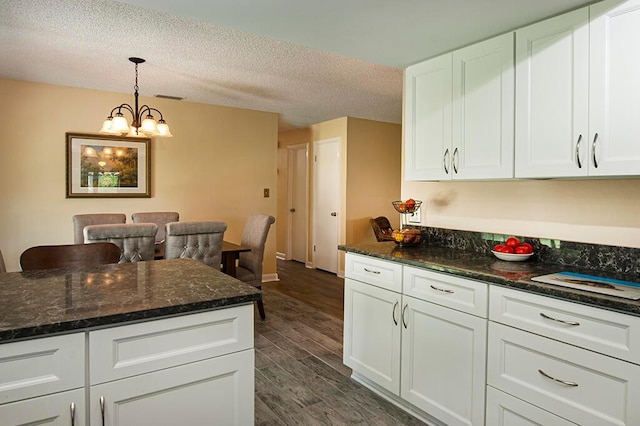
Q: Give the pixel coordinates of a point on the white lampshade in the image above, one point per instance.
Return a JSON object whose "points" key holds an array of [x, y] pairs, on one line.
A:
{"points": [[119, 124], [163, 130], [106, 126], [149, 126]]}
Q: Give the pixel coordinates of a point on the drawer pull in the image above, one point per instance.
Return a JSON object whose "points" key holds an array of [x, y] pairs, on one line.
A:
{"points": [[559, 320], [574, 384], [72, 407], [371, 272], [444, 290], [102, 409], [393, 314]]}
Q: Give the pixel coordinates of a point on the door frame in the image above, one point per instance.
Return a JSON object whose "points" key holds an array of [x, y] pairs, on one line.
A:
{"points": [[338, 140], [291, 175]]}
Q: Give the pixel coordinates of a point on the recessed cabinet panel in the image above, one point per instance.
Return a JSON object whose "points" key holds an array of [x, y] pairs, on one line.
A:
{"points": [[505, 410], [50, 410], [552, 97], [483, 104], [428, 119], [615, 88]]}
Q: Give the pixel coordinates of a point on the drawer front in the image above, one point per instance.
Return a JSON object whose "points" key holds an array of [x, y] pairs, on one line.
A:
{"points": [[579, 385], [50, 410], [505, 410], [381, 273], [134, 349], [603, 331], [453, 292], [41, 366]]}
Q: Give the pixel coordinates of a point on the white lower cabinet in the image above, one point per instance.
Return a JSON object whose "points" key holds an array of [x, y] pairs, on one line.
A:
{"points": [[506, 410], [443, 362], [427, 357], [59, 409], [214, 391]]}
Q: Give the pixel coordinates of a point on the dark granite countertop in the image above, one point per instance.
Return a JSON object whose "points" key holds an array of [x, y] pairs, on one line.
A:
{"points": [[487, 268], [38, 303]]}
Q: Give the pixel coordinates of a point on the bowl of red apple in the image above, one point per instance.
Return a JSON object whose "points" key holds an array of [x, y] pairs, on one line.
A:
{"points": [[513, 250]]}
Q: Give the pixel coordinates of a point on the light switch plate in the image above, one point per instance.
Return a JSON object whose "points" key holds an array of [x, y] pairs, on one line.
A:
{"points": [[415, 217]]}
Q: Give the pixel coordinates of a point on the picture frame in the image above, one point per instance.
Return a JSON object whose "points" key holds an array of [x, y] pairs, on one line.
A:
{"points": [[107, 166]]}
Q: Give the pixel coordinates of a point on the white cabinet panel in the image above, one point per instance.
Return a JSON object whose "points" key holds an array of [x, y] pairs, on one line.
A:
{"points": [[615, 88], [573, 383], [443, 362], [427, 119], [552, 97], [483, 105], [215, 391], [119, 352], [372, 333], [60, 409], [378, 272], [41, 366], [505, 410]]}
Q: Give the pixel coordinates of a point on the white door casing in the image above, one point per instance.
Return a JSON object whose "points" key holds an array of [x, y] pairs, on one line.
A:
{"points": [[297, 203]]}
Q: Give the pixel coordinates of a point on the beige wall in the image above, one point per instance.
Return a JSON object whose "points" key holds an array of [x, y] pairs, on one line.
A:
{"points": [[214, 168], [590, 211]]}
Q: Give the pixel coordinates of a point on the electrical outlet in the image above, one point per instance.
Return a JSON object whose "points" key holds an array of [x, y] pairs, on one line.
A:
{"points": [[266, 193], [415, 217]]}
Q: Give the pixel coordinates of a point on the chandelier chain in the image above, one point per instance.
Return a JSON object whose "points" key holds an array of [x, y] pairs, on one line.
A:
{"points": [[136, 86]]}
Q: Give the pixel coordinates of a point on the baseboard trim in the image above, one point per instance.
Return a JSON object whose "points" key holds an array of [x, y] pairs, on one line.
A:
{"points": [[281, 256], [270, 277]]}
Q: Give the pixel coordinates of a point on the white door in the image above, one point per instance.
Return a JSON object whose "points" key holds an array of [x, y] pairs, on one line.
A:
{"points": [[614, 88], [427, 120], [443, 362], [326, 190], [483, 106], [552, 97], [372, 333], [298, 201]]}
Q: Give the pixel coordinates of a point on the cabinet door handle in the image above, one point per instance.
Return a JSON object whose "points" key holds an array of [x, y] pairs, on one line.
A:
{"points": [[102, 409], [404, 310], [593, 151], [454, 160], [564, 382], [543, 315], [393, 314], [578, 152], [444, 290], [445, 161], [72, 408], [371, 272]]}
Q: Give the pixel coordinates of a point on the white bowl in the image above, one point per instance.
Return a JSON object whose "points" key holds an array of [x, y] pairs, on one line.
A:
{"points": [[511, 257]]}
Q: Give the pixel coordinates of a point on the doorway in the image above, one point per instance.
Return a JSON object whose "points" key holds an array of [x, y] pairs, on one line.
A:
{"points": [[298, 201], [326, 195]]}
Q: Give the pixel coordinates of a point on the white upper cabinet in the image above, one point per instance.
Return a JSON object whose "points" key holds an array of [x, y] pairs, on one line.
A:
{"points": [[577, 93], [483, 104], [459, 114], [427, 120], [552, 97], [614, 116]]}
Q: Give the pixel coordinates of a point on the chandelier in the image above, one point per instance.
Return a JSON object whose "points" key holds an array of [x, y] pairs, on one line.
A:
{"points": [[117, 124]]}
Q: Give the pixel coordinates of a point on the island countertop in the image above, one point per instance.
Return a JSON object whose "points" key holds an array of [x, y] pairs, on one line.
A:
{"points": [[39, 303], [485, 267]]}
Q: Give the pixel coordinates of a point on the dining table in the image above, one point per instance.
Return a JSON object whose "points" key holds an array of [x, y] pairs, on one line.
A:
{"points": [[230, 254]]}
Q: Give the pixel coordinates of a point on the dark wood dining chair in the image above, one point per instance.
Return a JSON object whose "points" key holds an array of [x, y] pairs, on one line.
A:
{"points": [[70, 255]]}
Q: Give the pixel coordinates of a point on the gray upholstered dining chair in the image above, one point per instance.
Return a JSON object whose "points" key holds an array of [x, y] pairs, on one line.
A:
{"points": [[160, 219], [136, 240], [82, 220], [254, 236], [195, 240]]}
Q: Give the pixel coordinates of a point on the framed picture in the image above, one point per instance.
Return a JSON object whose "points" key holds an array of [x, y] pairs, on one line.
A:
{"points": [[101, 166]]}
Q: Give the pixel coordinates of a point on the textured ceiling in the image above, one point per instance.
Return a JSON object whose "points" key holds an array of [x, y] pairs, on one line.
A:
{"points": [[309, 61]]}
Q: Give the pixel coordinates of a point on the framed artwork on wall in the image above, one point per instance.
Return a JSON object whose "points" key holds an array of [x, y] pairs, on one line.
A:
{"points": [[100, 166]]}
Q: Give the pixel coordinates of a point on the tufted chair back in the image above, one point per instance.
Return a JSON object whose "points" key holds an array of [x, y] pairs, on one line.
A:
{"points": [[136, 240], [195, 240], [159, 218], [82, 220]]}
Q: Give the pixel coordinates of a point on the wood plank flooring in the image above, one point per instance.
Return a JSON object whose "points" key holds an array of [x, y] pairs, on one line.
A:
{"points": [[299, 375]]}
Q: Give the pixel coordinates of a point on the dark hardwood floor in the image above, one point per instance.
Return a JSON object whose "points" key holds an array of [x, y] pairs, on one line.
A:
{"points": [[299, 375]]}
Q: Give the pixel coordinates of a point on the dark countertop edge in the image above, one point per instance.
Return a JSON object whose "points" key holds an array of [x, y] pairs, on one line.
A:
{"points": [[612, 303], [87, 324]]}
